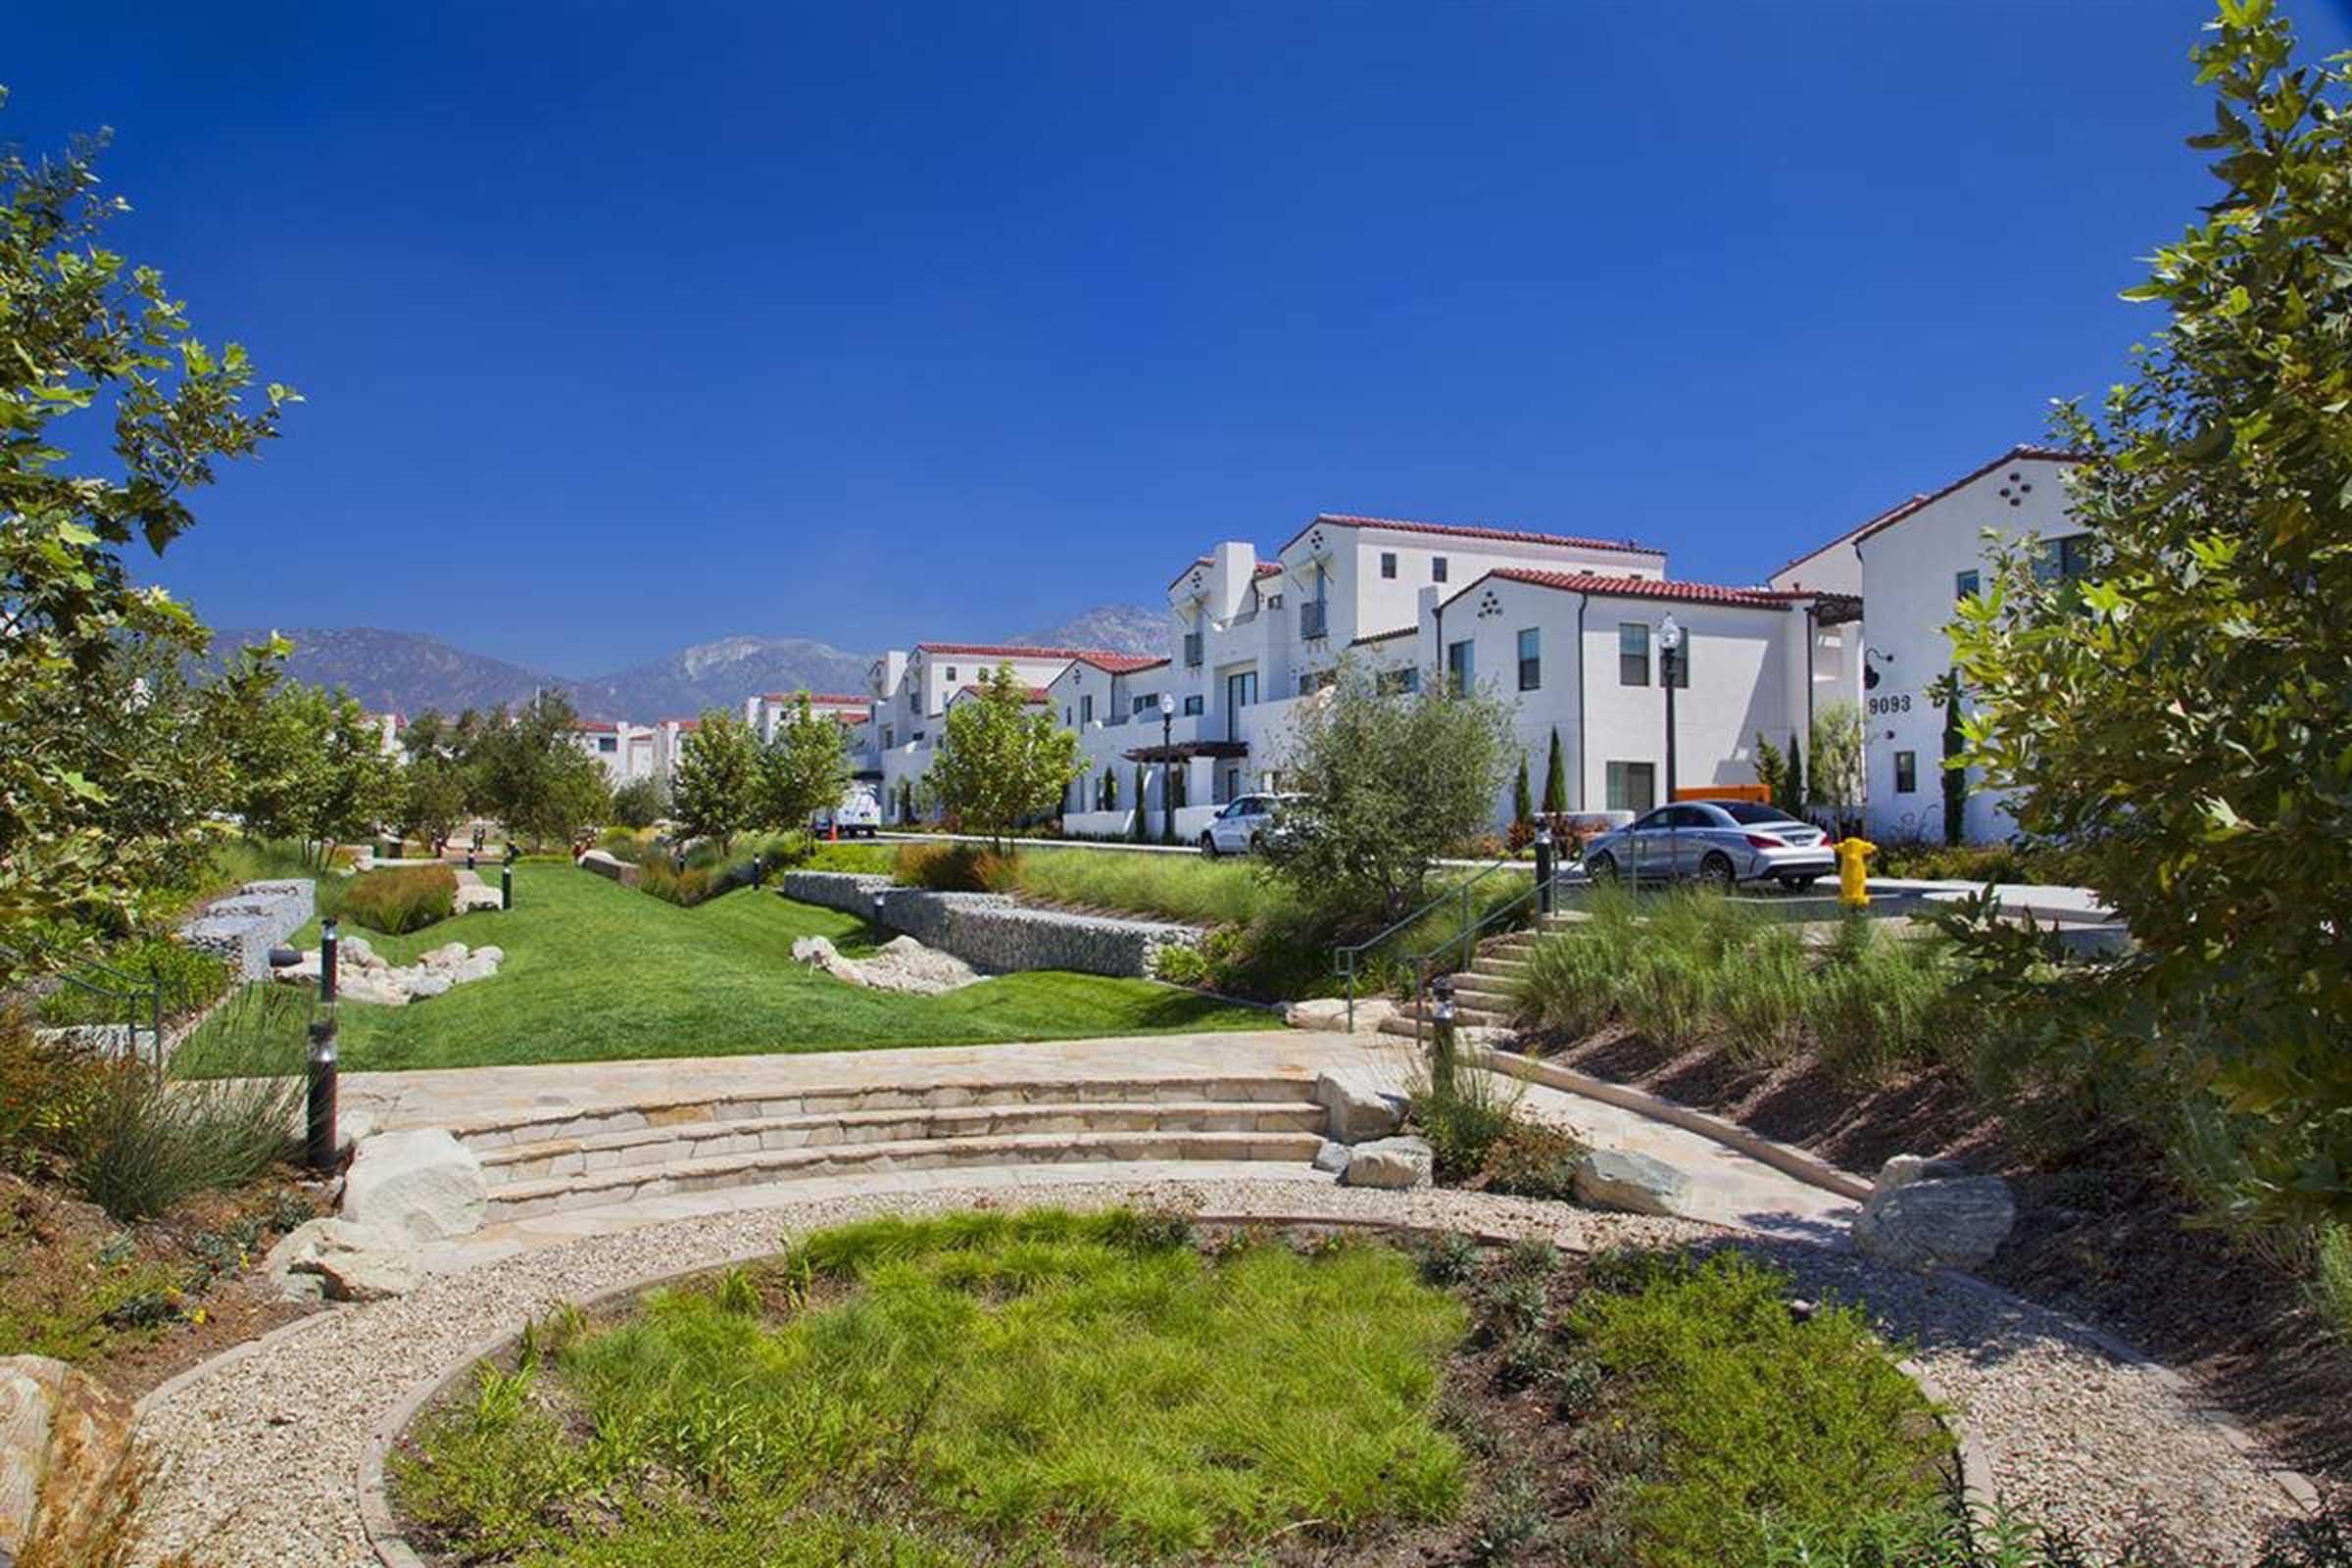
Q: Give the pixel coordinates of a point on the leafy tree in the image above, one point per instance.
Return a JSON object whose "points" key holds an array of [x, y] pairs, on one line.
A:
{"points": [[1390, 783], [716, 788], [87, 333], [355, 785], [640, 803], [1838, 757], [1556, 778], [805, 770], [1107, 796], [2177, 715], [1955, 769], [432, 799], [1799, 793], [1523, 804], [1140, 814], [530, 773], [999, 765]]}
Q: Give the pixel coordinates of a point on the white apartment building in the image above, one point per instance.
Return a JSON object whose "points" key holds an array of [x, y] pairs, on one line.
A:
{"points": [[627, 751], [910, 691], [1910, 564], [769, 710]]}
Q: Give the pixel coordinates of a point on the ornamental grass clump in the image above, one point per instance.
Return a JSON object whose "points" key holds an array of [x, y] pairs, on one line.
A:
{"points": [[401, 898]]}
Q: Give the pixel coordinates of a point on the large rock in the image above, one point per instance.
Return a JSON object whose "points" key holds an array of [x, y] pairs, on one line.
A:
{"points": [[64, 1458], [900, 964], [1395, 1163], [342, 1261], [1357, 1110], [1932, 1213], [1630, 1183], [418, 1181], [1331, 1013], [1332, 1158]]}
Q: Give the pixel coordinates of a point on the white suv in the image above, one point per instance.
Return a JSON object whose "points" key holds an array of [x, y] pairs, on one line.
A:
{"points": [[1243, 827]]}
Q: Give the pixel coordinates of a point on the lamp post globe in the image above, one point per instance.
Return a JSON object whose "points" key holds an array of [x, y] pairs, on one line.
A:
{"points": [[1670, 659], [1167, 763]]}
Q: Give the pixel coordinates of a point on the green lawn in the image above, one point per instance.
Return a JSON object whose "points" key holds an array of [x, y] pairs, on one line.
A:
{"points": [[597, 972]]}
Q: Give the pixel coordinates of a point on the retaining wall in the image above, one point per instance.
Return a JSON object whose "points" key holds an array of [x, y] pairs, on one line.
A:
{"points": [[243, 927], [991, 932]]}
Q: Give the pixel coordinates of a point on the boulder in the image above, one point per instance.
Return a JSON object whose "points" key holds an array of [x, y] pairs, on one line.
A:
{"points": [[428, 984], [379, 987], [342, 1261], [446, 955], [64, 1458], [418, 1181], [354, 953], [1331, 1013], [1357, 1110], [1391, 1163], [1932, 1213], [1332, 1158], [471, 899], [1630, 1183], [480, 965]]}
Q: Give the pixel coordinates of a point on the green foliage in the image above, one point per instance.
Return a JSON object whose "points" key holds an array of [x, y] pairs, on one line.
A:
{"points": [[1556, 778], [100, 359], [2328, 1283], [1995, 1537], [525, 770], [308, 763], [1390, 784], [1693, 968], [804, 770], [190, 981], [2014, 861], [721, 776], [2178, 713], [432, 800], [957, 1395], [1837, 750], [997, 763], [944, 867], [1523, 803], [640, 803], [1142, 817], [1766, 1423], [401, 898], [1955, 771]]}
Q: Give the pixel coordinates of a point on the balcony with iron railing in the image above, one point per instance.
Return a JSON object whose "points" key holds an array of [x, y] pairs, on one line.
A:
{"points": [[1314, 620]]}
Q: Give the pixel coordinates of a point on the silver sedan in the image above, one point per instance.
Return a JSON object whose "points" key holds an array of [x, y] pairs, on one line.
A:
{"points": [[1720, 842]]}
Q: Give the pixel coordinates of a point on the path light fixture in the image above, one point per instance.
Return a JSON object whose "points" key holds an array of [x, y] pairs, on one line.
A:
{"points": [[506, 886], [1544, 867], [1670, 659], [319, 1124], [1167, 763]]}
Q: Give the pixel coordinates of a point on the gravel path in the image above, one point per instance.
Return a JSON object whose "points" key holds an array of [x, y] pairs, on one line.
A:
{"points": [[264, 1453]]}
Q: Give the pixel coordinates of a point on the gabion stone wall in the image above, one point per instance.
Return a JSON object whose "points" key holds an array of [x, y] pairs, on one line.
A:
{"points": [[990, 932], [243, 927]]}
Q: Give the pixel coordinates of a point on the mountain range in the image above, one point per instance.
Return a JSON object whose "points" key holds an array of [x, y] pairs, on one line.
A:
{"points": [[407, 671]]}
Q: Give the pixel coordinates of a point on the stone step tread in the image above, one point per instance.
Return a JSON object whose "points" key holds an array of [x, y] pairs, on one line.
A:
{"points": [[839, 1129], [537, 1124], [520, 1199]]}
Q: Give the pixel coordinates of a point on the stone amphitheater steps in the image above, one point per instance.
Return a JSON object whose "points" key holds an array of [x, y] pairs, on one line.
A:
{"points": [[581, 1159]]}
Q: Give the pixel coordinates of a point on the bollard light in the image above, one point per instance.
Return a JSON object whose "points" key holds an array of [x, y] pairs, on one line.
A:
{"points": [[319, 1125], [1544, 867], [328, 942], [469, 860], [506, 887], [1441, 997]]}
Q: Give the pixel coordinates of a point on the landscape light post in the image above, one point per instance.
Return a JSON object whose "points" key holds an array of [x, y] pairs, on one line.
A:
{"points": [[1543, 867], [1167, 762], [1670, 648], [506, 886], [319, 1125]]}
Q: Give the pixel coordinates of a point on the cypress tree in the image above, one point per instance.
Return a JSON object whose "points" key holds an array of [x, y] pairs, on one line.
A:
{"points": [[1138, 802], [1796, 803], [1556, 778], [1955, 777], [1523, 804]]}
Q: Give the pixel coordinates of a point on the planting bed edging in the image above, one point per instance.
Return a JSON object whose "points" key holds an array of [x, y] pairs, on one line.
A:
{"points": [[990, 931]]}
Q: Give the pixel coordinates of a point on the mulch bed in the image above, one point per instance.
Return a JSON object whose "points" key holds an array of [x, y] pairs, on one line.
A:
{"points": [[2102, 1231]]}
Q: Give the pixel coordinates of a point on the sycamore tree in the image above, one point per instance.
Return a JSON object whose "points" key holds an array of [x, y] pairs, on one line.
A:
{"points": [[112, 414], [1390, 782], [997, 764], [526, 769], [804, 770], [717, 789], [2181, 713]]}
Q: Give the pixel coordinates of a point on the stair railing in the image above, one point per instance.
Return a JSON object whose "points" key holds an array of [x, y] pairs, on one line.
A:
{"points": [[1467, 940], [1345, 959]]}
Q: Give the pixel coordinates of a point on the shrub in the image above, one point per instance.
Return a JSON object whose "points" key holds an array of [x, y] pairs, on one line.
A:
{"points": [[401, 898], [1531, 1159], [945, 867], [190, 980], [2329, 1287]]}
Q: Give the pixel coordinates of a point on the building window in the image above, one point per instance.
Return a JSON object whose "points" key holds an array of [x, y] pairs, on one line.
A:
{"points": [[1460, 667], [607, 743], [1387, 562], [1314, 680], [1436, 568], [1531, 660], [1906, 773], [1150, 699], [1965, 584], [1633, 787], [951, 674], [1086, 709], [1193, 704], [1065, 716], [1632, 654], [2063, 560], [889, 736]]}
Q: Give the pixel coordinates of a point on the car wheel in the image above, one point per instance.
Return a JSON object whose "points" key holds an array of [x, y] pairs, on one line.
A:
{"points": [[1716, 869], [1208, 845], [1258, 844], [1601, 868]]}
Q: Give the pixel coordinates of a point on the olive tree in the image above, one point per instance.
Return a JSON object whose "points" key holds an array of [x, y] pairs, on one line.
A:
{"points": [[715, 787], [2179, 713], [804, 770], [999, 765], [1391, 782]]}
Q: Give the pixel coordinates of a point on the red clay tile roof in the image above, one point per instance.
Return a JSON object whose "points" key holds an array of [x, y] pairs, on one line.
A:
{"points": [[1037, 694], [1590, 582], [994, 651], [597, 724], [1122, 663], [1265, 569], [815, 697], [1458, 530], [1897, 512]]}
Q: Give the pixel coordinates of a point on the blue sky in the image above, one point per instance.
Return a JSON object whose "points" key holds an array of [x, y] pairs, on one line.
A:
{"points": [[626, 326]]}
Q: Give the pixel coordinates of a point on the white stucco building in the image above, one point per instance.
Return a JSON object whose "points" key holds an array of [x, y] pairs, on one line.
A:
{"points": [[627, 751], [768, 710], [1910, 564], [911, 690]]}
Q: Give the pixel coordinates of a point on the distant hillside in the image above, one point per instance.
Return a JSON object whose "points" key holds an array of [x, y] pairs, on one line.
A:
{"points": [[1121, 628], [720, 674]]}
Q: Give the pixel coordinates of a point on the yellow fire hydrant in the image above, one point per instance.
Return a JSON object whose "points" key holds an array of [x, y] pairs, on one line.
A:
{"points": [[1853, 877]]}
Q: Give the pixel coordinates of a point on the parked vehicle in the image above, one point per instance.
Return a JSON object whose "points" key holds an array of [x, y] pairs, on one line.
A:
{"points": [[1245, 826], [1720, 842], [858, 816]]}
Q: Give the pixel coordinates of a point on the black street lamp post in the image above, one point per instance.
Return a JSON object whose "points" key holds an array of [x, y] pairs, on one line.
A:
{"points": [[1167, 763], [1670, 652]]}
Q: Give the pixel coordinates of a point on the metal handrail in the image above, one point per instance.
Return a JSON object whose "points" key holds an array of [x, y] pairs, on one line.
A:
{"points": [[136, 991], [1467, 939], [1342, 957]]}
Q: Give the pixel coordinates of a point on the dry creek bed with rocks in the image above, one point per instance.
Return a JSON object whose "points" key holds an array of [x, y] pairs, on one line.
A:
{"points": [[264, 1453]]}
